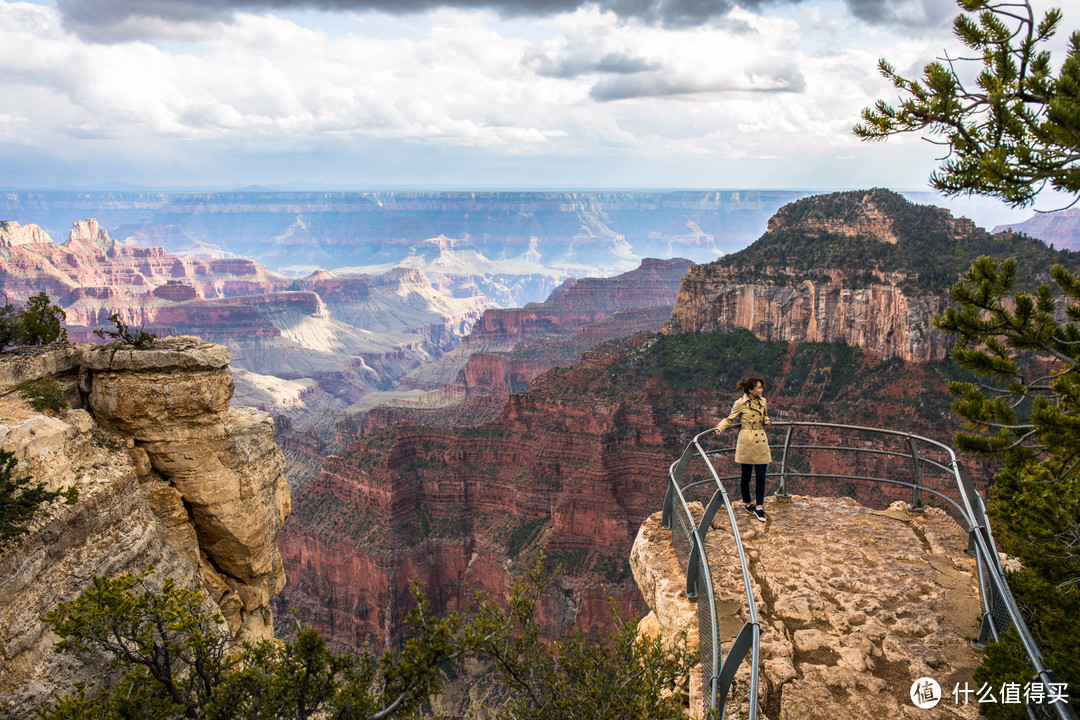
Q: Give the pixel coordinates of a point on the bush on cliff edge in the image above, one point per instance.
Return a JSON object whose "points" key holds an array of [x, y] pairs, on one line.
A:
{"points": [[38, 323], [18, 501], [179, 662]]}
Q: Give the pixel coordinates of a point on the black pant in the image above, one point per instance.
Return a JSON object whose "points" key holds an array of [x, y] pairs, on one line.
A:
{"points": [[760, 483]]}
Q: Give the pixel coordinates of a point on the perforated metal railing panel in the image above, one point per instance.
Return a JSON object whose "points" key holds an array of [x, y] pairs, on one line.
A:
{"points": [[999, 611], [680, 536], [706, 640]]}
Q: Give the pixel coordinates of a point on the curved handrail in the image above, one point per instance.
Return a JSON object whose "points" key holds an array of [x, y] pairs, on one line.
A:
{"points": [[1000, 609]]}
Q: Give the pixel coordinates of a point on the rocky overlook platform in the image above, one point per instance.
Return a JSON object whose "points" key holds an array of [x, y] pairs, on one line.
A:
{"points": [[854, 605], [166, 473]]}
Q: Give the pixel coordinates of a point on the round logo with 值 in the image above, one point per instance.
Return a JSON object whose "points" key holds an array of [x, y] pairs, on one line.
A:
{"points": [[925, 693]]}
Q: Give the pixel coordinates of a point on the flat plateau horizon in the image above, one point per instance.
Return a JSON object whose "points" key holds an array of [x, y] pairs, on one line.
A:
{"points": [[985, 212]]}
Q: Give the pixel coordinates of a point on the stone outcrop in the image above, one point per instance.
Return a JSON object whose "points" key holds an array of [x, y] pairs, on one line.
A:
{"points": [[166, 473], [12, 234], [1060, 229], [854, 606]]}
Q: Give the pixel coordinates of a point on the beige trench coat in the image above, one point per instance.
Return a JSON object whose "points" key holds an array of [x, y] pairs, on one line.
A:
{"points": [[752, 447]]}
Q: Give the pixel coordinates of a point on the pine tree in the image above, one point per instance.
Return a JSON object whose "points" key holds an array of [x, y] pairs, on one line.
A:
{"points": [[1013, 133]]}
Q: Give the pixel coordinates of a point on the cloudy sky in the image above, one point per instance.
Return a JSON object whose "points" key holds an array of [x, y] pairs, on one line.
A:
{"points": [[458, 93]]}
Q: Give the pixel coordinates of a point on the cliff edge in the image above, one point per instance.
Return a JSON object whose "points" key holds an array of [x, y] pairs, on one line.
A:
{"points": [[166, 472], [854, 605]]}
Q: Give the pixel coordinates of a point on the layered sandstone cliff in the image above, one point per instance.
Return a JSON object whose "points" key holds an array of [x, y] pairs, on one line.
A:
{"points": [[508, 347], [580, 302], [854, 605], [166, 473], [880, 318]]}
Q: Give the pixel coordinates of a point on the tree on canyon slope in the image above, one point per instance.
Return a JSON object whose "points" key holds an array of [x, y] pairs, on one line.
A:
{"points": [[620, 675], [19, 498], [1010, 131], [1029, 415], [1010, 134], [39, 322]]}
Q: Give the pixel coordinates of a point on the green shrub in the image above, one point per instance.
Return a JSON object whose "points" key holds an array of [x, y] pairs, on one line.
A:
{"points": [[125, 336], [43, 394], [38, 323], [17, 501]]}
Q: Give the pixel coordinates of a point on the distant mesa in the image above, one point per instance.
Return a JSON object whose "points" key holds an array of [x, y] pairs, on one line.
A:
{"points": [[595, 233], [176, 290], [865, 268], [1060, 229]]}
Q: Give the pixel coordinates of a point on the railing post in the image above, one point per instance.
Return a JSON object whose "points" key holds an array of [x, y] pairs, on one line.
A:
{"points": [[743, 644], [711, 509], [692, 565], [917, 504], [782, 492]]}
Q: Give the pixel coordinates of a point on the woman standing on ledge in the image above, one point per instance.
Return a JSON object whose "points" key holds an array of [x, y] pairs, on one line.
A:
{"points": [[752, 449]]}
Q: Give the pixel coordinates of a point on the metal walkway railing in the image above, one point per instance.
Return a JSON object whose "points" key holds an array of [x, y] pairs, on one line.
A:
{"points": [[694, 477]]}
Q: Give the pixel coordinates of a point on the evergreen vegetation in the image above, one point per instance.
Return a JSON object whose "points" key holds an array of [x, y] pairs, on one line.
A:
{"points": [[43, 394], [1029, 417], [1017, 128], [178, 662], [124, 335], [18, 500], [37, 323]]}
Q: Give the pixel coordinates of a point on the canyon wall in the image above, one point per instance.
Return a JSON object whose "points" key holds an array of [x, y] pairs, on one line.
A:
{"points": [[166, 473], [574, 465], [880, 318]]}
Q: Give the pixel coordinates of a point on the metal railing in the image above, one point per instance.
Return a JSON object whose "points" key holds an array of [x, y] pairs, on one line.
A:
{"points": [[694, 475]]}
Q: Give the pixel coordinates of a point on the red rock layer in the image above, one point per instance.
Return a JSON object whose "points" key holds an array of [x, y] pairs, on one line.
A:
{"points": [[512, 371], [577, 303]]}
